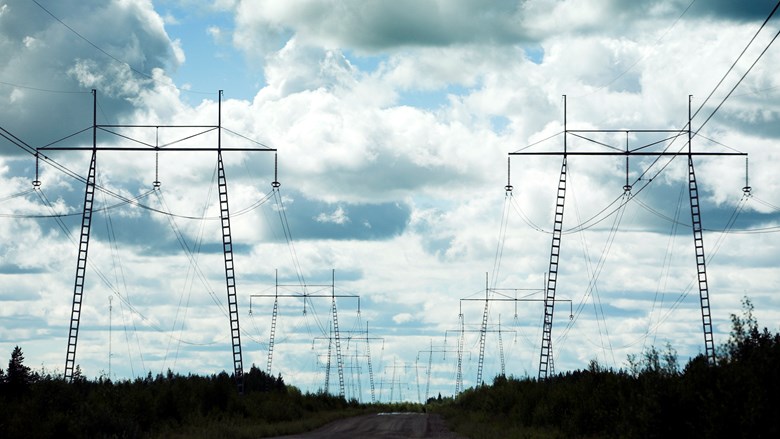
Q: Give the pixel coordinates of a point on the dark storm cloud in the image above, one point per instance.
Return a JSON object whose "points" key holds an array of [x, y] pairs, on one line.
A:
{"points": [[48, 70], [759, 118], [379, 25], [414, 23], [11, 268], [312, 219], [624, 12], [664, 204], [751, 10], [9, 293]]}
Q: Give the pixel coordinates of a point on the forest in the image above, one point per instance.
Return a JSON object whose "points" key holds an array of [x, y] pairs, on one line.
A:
{"points": [[653, 396], [169, 405], [738, 397]]}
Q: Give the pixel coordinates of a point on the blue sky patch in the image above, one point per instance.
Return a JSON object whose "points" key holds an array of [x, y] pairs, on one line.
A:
{"points": [[211, 62], [535, 54], [364, 63], [431, 99]]}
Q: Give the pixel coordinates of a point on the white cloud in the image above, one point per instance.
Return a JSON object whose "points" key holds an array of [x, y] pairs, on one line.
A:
{"points": [[215, 32], [402, 318], [171, 20], [347, 147], [178, 52], [29, 42], [42, 52], [338, 216]]}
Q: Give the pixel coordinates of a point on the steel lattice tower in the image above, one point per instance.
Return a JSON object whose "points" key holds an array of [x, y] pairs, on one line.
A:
{"points": [[89, 194], [545, 359]]}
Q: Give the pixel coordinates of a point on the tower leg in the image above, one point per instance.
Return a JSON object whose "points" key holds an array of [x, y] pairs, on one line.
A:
{"points": [[327, 366], [482, 337], [459, 376], [545, 357], [370, 369], [273, 334], [339, 361], [701, 266], [81, 267], [230, 279]]}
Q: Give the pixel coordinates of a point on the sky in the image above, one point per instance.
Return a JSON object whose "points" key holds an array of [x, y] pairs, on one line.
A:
{"points": [[392, 124]]}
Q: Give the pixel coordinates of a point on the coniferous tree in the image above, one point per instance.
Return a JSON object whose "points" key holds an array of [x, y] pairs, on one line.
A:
{"points": [[2, 381], [19, 376]]}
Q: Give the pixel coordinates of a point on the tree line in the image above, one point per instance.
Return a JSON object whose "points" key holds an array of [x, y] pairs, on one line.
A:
{"points": [[166, 405], [653, 396], [737, 397]]}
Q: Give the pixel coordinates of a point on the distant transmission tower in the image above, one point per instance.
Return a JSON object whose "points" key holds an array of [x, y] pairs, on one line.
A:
{"points": [[499, 295], [110, 327], [334, 339]]}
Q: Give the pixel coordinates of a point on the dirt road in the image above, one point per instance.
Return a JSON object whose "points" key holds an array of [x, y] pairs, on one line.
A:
{"points": [[384, 426]]}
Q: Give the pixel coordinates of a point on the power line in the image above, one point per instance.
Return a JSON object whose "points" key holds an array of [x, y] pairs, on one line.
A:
{"points": [[101, 50], [91, 43], [46, 90], [740, 80], [735, 63], [640, 59]]}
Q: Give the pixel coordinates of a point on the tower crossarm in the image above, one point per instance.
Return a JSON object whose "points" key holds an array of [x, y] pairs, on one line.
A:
{"points": [[636, 153]]}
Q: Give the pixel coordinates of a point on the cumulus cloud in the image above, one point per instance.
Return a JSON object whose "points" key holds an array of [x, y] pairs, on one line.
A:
{"points": [[338, 216], [402, 318], [43, 55], [377, 26], [381, 25], [403, 198]]}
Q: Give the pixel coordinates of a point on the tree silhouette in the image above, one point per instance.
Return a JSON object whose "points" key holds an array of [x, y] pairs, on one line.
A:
{"points": [[18, 375]]}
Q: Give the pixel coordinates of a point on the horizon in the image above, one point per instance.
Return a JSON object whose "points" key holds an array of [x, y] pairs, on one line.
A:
{"points": [[392, 125]]}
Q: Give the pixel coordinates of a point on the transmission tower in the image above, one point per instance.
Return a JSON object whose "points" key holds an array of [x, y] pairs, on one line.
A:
{"points": [[432, 350], [339, 360], [110, 330], [334, 336], [545, 357], [357, 336], [86, 221], [370, 369], [461, 335], [499, 296], [363, 336], [395, 380]]}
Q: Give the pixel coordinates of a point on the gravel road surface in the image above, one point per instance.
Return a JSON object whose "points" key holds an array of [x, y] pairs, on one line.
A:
{"points": [[383, 426]]}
